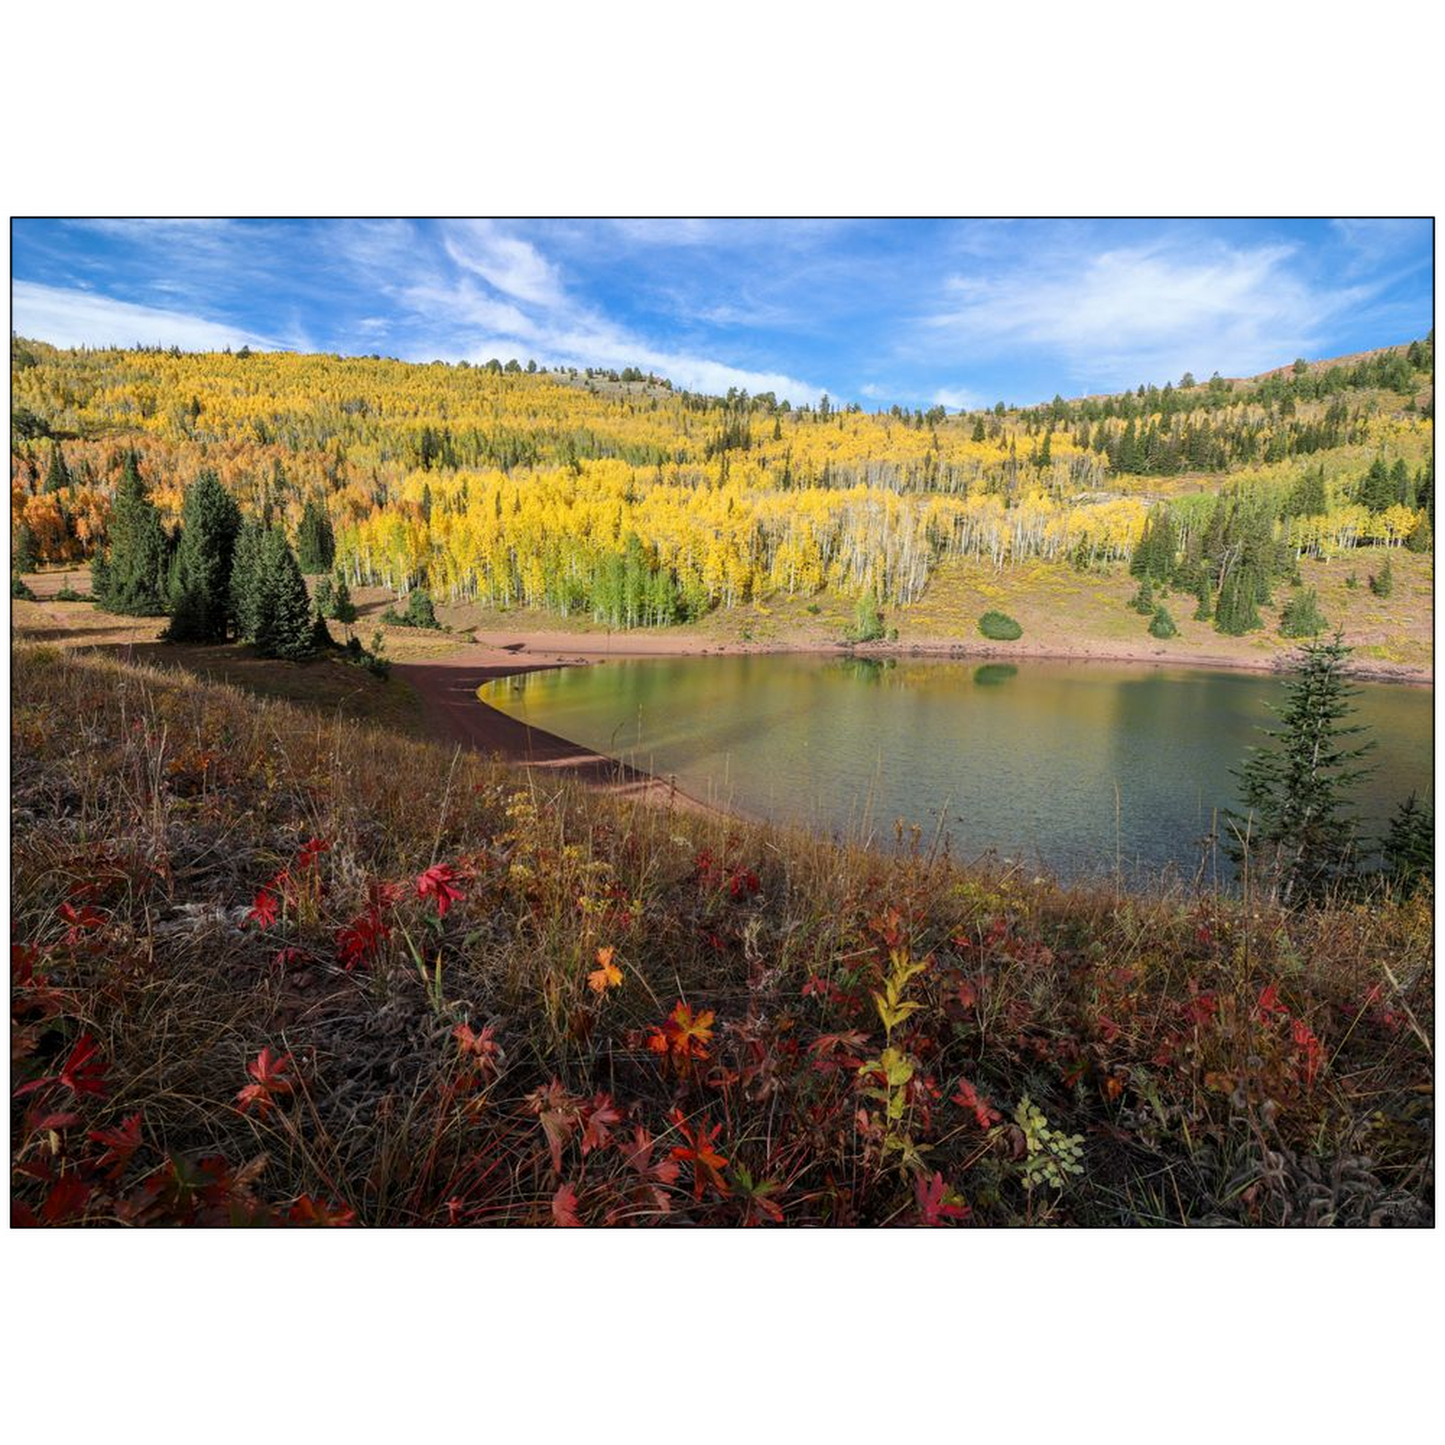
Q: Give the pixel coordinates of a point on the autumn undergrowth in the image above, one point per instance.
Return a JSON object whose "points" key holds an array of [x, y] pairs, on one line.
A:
{"points": [[275, 968]]}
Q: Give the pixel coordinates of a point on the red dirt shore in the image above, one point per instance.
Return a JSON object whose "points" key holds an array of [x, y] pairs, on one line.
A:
{"points": [[448, 687]]}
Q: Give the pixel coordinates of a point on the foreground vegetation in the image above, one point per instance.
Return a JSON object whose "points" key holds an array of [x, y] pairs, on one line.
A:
{"points": [[275, 967]]}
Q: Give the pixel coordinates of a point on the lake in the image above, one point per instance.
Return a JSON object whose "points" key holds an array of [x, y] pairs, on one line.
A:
{"points": [[1069, 767]]}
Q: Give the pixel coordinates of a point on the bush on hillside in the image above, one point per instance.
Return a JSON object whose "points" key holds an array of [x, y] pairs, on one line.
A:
{"points": [[999, 627], [1301, 615], [419, 612]]}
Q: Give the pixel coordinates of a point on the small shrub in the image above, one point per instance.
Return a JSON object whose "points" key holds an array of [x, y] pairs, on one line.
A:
{"points": [[867, 620], [419, 612], [1352, 582], [19, 587], [999, 627], [1301, 616], [372, 660], [1142, 601], [1162, 624]]}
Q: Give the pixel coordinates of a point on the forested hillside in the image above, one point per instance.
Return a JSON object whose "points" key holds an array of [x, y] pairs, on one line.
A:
{"points": [[616, 496]]}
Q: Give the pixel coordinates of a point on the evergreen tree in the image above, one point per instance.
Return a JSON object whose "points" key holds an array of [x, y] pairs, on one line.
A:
{"points": [[343, 609], [315, 539], [284, 626], [867, 619], [1409, 846], [20, 588], [200, 591], [1421, 539], [1308, 497], [1301, 615], [132, 581], [1297, 835], [1401, 487], [1162, 624], [1376, 491], [419, 609], [1237, 611], [57, 478], [245, 579], [1382, 583], [323, 597], [27, 555]]}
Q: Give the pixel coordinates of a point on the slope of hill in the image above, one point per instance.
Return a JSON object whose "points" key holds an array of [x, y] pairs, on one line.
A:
{"points": [[615, 499]]}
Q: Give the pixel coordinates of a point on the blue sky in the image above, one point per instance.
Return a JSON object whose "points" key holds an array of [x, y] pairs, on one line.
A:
{"points": [[962, 313]]}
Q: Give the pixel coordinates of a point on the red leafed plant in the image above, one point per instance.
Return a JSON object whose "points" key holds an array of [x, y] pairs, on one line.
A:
{"points": [[263, 909], [120, 1143], [437, 882], [564, 1208], [967, 1097], [319, 1213], [81, 1073], [937, 1204], [683, 1036], [270, 1081], [706, 1162]]}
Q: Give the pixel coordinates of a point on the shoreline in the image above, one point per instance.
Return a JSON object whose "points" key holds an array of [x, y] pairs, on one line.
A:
{"points": [[548, 648]]}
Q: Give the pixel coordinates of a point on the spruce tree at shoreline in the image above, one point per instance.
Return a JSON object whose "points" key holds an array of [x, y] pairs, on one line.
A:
{"points": [[1297, 836]]}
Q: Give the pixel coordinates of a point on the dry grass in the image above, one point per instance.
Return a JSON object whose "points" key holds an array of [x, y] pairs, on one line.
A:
{"points": [[324, 684]]}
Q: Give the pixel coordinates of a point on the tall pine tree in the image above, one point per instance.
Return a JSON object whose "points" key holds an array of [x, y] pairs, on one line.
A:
{"points": [[57, 478], [1297, 837], [283, 621], [132, 579], [200, 591], [315, 540], [245, 579]]}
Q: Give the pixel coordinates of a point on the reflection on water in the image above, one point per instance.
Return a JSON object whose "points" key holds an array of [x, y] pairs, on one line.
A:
{"points": [[1059, 764], [864, 669], [994, 673]]}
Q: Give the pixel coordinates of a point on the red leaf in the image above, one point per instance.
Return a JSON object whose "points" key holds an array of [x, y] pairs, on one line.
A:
{"points": [[65, 1200], [271, 1082], [119, 1143], [705, 1160], [263, 909], [436, 883], [317, 1213], [564, 1208], [935, 1202]]}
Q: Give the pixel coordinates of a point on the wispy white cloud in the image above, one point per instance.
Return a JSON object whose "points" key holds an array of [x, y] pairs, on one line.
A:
{"points": [[505, 262], [1143, 313], [512, 301], [67, 317]]}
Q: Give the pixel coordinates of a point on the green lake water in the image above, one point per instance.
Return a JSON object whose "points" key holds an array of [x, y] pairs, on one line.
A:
{"points": [[1069, 767]]}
